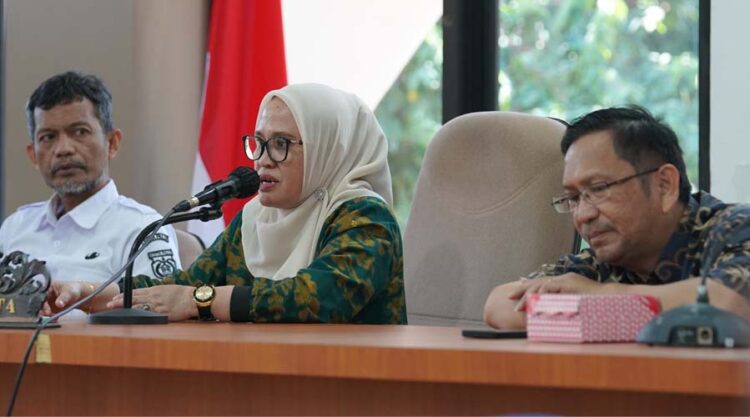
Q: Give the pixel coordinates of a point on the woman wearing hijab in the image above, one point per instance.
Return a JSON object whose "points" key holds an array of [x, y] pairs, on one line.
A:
{"points": [[318, 244]]}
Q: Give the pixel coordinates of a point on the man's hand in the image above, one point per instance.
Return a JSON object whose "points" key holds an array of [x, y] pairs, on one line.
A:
{"points": [[566, 283], [62, 294]]}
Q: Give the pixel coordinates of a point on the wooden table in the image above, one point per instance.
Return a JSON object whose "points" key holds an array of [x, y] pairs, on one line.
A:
{"points": [[231, 369]]}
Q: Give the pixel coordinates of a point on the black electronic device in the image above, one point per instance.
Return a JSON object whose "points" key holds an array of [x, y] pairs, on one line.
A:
{"points": [[494, 334], [241, 183], [700, 324]]}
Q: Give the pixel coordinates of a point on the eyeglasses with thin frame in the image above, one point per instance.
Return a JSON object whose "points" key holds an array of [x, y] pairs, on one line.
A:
{"points": [[278, 147], [593, 194]]}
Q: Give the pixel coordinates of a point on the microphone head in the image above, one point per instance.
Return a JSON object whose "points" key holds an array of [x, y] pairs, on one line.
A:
{"points": [[248, 181]]}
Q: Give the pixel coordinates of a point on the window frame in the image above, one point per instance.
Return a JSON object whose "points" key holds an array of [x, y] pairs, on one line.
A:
{"points": [[470, 67]]}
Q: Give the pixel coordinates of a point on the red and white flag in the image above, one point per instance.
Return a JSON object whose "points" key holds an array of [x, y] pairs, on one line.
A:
{"points": [[245, 60]]}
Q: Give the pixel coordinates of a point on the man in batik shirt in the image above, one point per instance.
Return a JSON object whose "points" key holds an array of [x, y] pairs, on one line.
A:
{"points": [[628, 193]]}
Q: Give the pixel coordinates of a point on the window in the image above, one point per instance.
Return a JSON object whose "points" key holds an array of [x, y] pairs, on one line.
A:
{"points": [[410, 114], [559, 58], [564, 58]]}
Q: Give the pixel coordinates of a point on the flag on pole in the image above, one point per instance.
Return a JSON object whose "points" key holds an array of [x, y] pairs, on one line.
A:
{"points": [[245, 60]]}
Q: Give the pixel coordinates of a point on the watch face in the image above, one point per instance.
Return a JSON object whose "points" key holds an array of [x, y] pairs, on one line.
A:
{"points": [[204, 293]]}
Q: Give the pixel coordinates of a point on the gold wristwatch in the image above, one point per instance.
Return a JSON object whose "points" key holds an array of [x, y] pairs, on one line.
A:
{"points": [[203, 297]]}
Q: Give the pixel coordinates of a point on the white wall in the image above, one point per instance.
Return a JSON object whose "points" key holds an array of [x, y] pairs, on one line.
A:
{"points": [[150, 53], [44, 37], [359, 46], [730, 100]]}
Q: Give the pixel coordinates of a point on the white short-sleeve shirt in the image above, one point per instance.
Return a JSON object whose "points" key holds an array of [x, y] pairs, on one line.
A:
{"points": [[92, 241]]}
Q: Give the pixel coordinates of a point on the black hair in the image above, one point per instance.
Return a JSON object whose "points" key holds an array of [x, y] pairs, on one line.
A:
{"points": [[639, 138], [67, 87]]}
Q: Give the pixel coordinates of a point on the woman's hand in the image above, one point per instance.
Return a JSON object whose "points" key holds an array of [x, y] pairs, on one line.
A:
{"points": [[176, 301]]}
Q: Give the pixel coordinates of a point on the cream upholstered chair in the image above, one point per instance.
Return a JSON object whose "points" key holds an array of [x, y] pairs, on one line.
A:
{"points": [[481, 214], [190, 246]]}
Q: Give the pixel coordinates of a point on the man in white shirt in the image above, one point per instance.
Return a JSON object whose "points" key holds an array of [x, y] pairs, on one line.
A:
{"points": [[85, 230]]}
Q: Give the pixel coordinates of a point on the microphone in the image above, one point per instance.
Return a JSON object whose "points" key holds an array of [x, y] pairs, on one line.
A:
{"points": [[700, 324], [242, 182]]}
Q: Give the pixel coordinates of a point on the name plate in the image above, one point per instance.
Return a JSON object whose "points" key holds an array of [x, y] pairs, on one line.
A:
{"points": [[23, 288]]}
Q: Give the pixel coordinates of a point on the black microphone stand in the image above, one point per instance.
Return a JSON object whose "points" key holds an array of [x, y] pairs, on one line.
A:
{"points": [[128, 314]]}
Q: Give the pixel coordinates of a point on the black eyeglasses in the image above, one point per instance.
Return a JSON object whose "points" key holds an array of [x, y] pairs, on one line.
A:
{"points": [[593, 194], [278, 147]]}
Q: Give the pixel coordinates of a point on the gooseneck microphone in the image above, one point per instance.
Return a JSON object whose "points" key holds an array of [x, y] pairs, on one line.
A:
{"points": [[700, 324], [241, 183]]}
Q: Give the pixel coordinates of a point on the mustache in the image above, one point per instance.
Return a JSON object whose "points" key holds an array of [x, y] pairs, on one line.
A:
{"points": [[68, 164]]}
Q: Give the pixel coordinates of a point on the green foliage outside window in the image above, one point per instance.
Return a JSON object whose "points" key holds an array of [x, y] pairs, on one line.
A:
{"points": [[565, 58], [411, 113], [560, 58]]}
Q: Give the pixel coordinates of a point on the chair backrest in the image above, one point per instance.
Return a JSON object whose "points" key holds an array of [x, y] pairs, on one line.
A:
{"points": [[190, 246], [481, 214]]}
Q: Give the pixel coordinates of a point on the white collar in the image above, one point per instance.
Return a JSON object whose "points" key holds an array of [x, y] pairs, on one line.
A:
{"points": [[86, 214]]}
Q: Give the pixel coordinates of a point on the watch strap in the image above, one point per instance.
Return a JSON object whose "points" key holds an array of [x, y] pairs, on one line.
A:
{"points": [[205, 314]]}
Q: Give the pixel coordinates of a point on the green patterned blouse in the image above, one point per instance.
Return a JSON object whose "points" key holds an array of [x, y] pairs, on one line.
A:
{"points": [[356, 276]]}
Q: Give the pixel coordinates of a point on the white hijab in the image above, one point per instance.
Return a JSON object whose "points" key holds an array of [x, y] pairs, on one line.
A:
{"points": [[345, 157]]}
